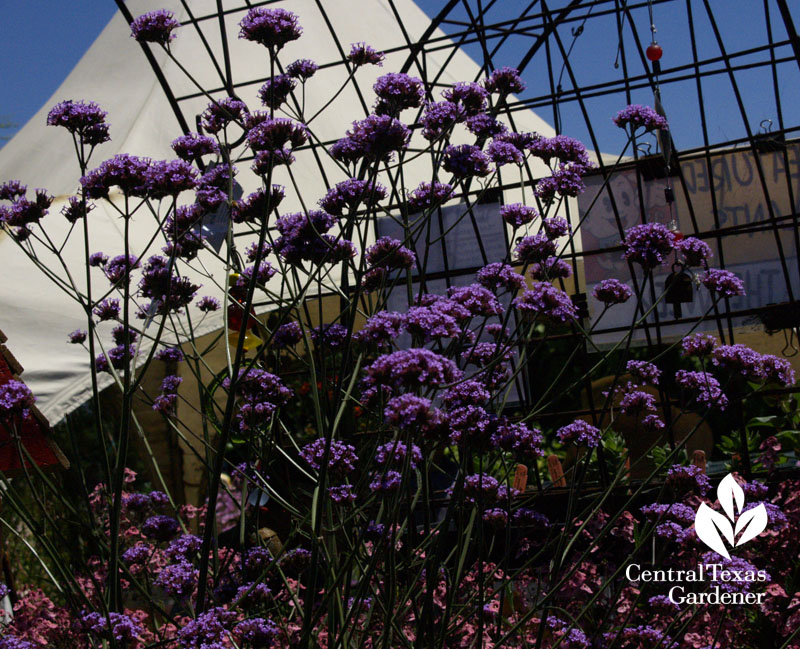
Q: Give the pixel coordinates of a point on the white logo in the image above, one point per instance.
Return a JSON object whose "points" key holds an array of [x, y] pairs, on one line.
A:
{"points": [[709, 524]]}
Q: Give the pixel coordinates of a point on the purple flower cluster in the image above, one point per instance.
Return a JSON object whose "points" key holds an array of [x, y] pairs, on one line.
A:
{"points": [[376, 138], [561, 147], [270, 139], [703, 387], [350, 194], [221, 113], [170, 355], [302, 69], [517, 214], [469, 95], [127, 172], [178, 580], [116, 357], [648, 244], [566, 180], [431, 322], [10, 190], [395, 452], [208, 630], [16, 399], [381, 328], [698, 344], [184, 548], [637, 402], [207, 304], [534, 249], [85, 120], [183, 232], [193, 146], [160, 528], [408, 411], [465, 161], [386, 482], [362, 54], [477, 299], [612, 291], [287, 335], [640, 636], [397, 91], [76, 209], [555, 227], [98, 259], [580, 433], [169, 178], [122, 628], [257, 632], [342, 493], [683, 479], [331, 335], [484, 126], [411, 368], [694, 251], [107, 309], [166, 401], [778, 370], [342, 457], [499, 275], [546, 300], [428, 195], [722, 282], [118, 269], [155, 27], [170, 292], [740, 359], [23, 212], [390, 254], [439, 118], [272, 28], [137, 554], [276, 90], [303, 238], [644, 371], [677, 512], [637, 116], [257, 206], [264, 273], [524, 442], [551, 268], [504, 81], [77, 337], [503, 153], [260, 392]]}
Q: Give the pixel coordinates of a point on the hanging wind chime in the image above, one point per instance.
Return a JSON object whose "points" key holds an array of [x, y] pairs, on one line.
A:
{"points": [[679, 284]]}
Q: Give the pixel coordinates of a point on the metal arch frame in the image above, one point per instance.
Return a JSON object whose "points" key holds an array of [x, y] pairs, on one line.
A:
{"points": [[543, 26]]}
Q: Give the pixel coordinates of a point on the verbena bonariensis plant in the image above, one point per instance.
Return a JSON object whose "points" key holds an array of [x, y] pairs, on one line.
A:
{"points": [[401, 527]]}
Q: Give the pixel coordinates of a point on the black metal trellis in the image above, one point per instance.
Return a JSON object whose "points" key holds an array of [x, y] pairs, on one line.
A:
{"points": [[547, 39]]}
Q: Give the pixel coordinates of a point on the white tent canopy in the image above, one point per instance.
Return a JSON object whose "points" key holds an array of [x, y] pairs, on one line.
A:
{"points": [[34, 313]]}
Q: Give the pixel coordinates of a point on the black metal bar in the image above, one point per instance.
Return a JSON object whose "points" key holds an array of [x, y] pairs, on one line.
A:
{"points": [[788, 23], [151, 59]]}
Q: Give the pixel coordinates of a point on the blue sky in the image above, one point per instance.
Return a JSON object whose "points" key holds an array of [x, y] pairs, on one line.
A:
{"points": [[41, 40]]}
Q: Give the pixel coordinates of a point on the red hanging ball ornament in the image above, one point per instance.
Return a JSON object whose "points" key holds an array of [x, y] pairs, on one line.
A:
{"points": [[654, 51]]}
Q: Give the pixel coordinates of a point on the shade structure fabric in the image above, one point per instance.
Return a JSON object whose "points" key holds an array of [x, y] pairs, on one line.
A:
{"points": [[114, 72]]}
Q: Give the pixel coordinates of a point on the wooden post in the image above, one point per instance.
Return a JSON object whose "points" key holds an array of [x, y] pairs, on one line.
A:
{"points": [[520, 478], [556, 471], [699, 459]]}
